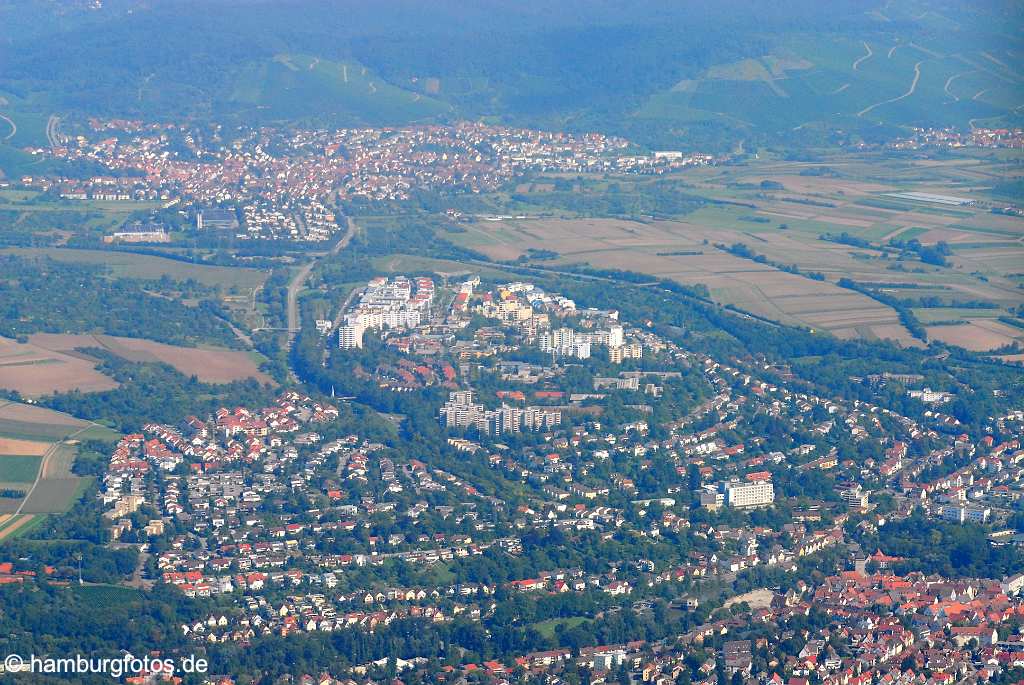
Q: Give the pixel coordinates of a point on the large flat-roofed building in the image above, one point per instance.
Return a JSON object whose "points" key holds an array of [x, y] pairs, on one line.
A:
{"points": [[217, 220], [139, 232], [933, 198], [739, 494], [965, 514], [755, 494]]}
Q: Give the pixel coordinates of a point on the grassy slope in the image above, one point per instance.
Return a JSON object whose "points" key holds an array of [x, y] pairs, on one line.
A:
{"points": [[291, 86], [821, 85]]}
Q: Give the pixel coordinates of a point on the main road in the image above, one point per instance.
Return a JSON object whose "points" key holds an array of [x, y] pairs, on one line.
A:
{"points": [[298, 281]]}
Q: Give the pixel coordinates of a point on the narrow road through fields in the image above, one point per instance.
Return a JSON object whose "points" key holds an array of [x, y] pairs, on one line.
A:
{"points": [[857, 62], [45, 460], [910, 91], [14, 126], [52, 131]]}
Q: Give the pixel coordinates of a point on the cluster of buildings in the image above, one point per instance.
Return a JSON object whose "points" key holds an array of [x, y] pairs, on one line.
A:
{"points": [[282, 184], [215, 452], [957, 138], [756, 490], [395, 304], [461, 412], [709, 470]]}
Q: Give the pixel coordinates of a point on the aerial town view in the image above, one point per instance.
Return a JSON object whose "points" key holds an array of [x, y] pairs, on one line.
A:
{"points": [[494, 342]]}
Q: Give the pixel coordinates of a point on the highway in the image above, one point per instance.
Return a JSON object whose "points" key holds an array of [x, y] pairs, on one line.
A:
{"points": [[298, 282]]}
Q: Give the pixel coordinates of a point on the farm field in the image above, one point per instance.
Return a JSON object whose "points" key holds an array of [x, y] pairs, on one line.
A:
{"points": [[11, 525], [18, 469], [53, 495], [403, 263], [675, 250], [979, 335], [37, 213], [11, 446], [131, 265], [940, 315], [781, 210], [33, 370], [28, 422], [212, 365], [37, 451], [48, 362]]}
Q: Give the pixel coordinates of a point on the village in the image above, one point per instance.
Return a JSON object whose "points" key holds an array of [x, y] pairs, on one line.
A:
{"points": [[599, 431], [269, 184]]}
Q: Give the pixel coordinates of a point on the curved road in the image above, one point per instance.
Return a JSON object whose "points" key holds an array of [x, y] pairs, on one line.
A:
{"points": [[857, 62], [298, 282], [14, 126], [910, 91], [52, 131]]}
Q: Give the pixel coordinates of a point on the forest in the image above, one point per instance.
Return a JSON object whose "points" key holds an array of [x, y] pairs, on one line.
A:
{"points": [[153, 392], [46, 296]]}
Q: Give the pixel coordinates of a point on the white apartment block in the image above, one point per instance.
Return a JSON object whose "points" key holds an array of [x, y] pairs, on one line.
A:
{"points": [[565, 342], [350, 336], [461, 412], [961, 514], [740, 495], [386, 304]]}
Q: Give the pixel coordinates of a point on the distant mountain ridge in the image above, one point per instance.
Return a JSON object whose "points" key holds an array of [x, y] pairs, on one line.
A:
{"points": [[695, 76]]}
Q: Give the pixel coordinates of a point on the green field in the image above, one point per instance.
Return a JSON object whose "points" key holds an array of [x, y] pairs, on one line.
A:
{"points": [[31, 212], [25, 430], [851, 81], [346, 93], [403, 263], [547, 628], [19, 468], [132, 265]]}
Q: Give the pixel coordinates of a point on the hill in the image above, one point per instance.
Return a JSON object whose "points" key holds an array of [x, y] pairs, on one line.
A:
{"points": [[692, 75], [294, 87]]}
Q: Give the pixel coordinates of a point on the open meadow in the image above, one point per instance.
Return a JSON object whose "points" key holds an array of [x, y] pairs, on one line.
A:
{"points": [[840, 218], [132, 265]]}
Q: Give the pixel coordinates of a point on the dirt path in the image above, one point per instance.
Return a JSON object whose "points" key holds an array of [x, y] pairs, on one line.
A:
{"points": [[910, 91], [50, 453], [857, 62], [14, 126], [949, 82], [52, 131]]}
